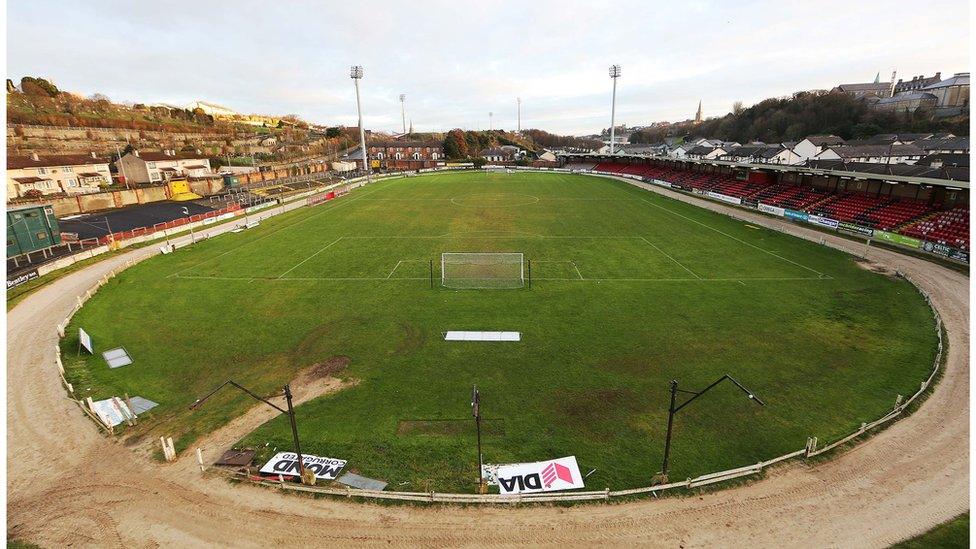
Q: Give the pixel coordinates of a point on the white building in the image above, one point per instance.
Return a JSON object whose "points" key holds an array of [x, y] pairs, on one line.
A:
{"points": [[52, 174], [158, 167], [814, 145], [879, 154]]}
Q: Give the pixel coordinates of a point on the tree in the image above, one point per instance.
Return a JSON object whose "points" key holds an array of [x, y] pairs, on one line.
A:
{"points": [[38, 86], [737, 107], [455, 144]]}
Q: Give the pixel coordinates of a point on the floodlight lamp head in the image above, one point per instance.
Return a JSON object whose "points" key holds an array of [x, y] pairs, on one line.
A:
{"points": [[403, 97], [356, 72], [614, 71]]}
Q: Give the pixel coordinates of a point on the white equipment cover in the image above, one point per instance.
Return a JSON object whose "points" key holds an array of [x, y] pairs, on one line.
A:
{"points": [[482, 336]]}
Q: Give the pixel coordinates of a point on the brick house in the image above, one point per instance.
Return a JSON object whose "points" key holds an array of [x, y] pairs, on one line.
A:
{"points": [[405, 155]]}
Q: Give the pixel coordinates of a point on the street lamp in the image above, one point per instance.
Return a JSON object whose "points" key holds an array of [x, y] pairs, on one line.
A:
{"points": [[672, 410], [403, 111], [490, 126], [356, 73], [614, 75], [291, 416]]}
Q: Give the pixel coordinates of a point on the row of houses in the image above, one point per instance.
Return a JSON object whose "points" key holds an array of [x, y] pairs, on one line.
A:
{"points": [[907, 148], [408, 155], [71, 174]]}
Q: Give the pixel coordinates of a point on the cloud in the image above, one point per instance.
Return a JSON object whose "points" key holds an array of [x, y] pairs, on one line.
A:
{"points": [[457, 61]]}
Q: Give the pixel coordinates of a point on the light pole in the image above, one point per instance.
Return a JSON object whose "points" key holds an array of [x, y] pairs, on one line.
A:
{"points": [[291, 416], [356, 73], [186, 212], [518, 114], [673, 409], [614, 75], [403, 111], [490, 126]]}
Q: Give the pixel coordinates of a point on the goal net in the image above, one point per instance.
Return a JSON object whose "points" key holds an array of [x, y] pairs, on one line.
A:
{"points": [[482, 270]]}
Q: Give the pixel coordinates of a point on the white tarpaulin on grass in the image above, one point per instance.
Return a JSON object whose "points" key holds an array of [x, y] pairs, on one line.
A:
{"points": [[541, 476], [117, 357], [482, 336], [112, 411]]}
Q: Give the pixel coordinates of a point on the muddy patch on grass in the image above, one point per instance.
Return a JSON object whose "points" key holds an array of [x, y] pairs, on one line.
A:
{"points": [[412, 339], [878, 268], [330, 367]]}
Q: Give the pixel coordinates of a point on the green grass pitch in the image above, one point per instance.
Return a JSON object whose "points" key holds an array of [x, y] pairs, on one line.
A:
{"points": [[629, 290]]}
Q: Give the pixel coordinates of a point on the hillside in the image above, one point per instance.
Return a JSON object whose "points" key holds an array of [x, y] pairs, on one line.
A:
{"points": [[806, 113]]}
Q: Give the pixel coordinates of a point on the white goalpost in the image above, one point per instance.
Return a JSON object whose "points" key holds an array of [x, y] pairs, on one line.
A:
{"points": [[474, 270]]}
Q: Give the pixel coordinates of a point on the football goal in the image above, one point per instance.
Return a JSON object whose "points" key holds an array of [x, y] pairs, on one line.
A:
{"points": [[482, 270]]}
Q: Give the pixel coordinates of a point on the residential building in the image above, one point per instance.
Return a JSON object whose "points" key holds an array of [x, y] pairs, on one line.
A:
{"points": [[916, 83], [159, 167], [400, 155], [814, 145], [949, 145], [706, 152], [882, 154], [53, 174]]}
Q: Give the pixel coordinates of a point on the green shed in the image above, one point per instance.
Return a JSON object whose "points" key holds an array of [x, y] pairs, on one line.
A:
{"points": [[31, 228]]}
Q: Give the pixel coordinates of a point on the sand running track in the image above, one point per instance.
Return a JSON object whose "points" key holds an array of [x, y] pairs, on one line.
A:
{"points": [[69, 485]]}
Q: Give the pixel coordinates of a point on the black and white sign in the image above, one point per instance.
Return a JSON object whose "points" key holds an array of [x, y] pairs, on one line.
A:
{"points": [[286, 463], [21, 278], [822, 221], [541, 476]]}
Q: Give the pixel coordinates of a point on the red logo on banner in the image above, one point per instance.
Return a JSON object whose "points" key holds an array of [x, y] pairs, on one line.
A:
{"points": [[555, 471]]}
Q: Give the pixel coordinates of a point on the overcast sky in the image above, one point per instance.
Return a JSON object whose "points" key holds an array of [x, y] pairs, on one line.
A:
{"points": [[456, 61]]}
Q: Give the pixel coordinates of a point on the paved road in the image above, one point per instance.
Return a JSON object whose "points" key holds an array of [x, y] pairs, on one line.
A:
{"points": [[69, 485]]}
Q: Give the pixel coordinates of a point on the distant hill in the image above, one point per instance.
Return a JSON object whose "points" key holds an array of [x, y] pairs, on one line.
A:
{"points": [[803, 114]]}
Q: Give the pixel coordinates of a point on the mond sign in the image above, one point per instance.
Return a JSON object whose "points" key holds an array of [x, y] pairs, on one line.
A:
{"points": [[286, 463], [541, 476]]}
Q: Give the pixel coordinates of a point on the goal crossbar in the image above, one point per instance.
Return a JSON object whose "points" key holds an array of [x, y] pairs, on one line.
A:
{"points": [[482, 270]]}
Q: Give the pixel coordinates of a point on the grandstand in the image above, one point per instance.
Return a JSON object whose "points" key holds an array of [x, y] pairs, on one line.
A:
{"points": [[927, 219]]}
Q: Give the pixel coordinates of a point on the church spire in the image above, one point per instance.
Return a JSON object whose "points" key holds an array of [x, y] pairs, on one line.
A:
{"points": [[698, 115]]}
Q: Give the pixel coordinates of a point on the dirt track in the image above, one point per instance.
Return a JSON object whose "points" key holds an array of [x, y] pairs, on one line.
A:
{"points": [[68, 484]]}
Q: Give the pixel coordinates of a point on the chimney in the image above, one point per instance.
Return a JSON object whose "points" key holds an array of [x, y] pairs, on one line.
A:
{"points": [[938, 75], [34, 157]]}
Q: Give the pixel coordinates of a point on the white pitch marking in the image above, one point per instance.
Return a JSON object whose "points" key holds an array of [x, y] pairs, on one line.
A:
{"points": [[732, 237], [394, 268], [666, 254], [311, 256], [577, 270]]}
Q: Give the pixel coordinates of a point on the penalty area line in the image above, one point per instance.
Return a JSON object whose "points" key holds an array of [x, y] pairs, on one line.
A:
{"points": [[737, 239], [300, 263], [666, 254]]}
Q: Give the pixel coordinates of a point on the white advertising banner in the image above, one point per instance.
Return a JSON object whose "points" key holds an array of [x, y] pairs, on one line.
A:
{"points": [[541, 476], [85, 340], [724, 197], [286, 463], [775, 210], [822, 221]]}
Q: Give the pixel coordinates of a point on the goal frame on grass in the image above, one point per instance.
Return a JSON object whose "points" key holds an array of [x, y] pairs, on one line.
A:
{"points": [[483, 270]]}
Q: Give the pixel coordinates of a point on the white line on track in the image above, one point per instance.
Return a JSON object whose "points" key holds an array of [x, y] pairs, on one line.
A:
{"points": [[577, 270], [666, 254]]}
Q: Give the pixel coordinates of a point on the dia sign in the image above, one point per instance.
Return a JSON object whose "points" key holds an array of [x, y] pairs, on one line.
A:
{"points": [[541, 476]]}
